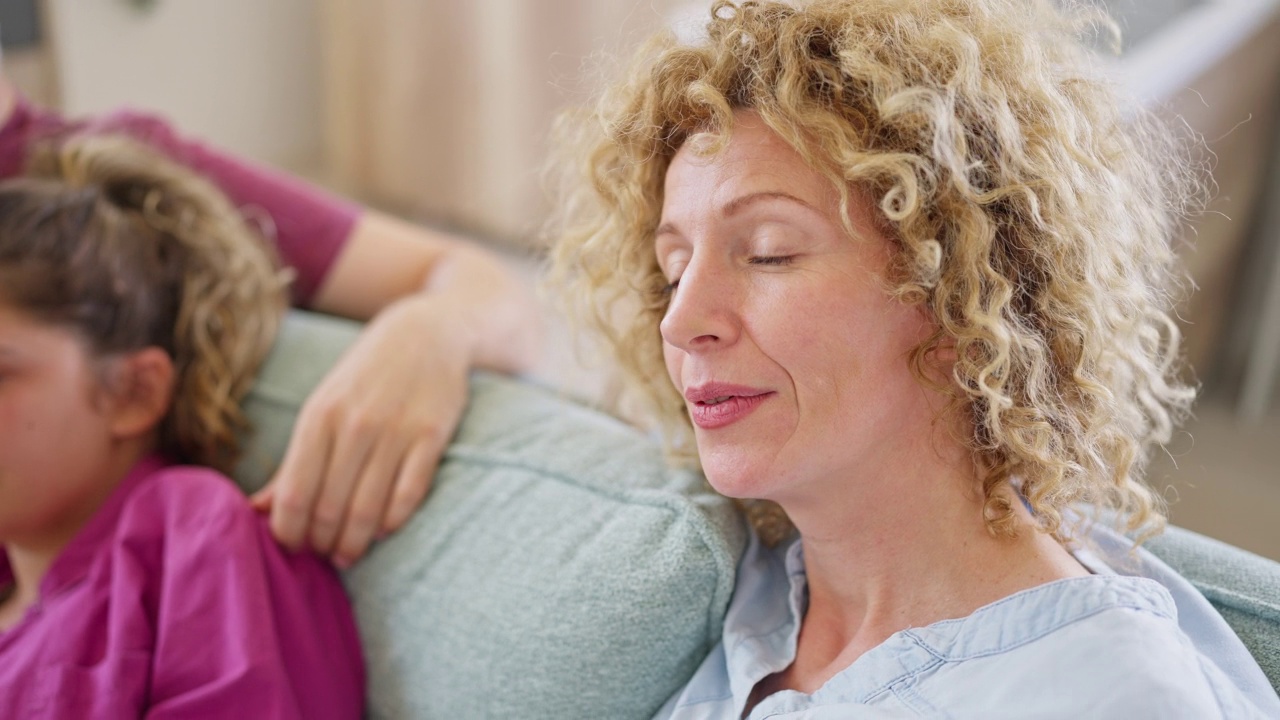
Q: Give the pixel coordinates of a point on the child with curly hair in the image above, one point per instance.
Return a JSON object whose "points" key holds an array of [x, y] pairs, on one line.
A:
{"points": [[135, 579]]}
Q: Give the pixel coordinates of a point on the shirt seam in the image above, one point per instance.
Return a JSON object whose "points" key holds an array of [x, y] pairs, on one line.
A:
{"points": [[1029, 638], [904, 690]]}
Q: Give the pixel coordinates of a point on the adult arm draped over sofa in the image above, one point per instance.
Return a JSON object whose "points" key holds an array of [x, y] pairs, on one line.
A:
{"points": [[436, 305]]}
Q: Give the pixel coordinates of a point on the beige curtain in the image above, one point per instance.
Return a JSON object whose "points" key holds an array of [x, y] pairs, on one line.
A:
{"points": [[441, 109]]}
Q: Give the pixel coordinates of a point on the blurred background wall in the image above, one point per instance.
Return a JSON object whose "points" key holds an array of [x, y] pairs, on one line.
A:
{"points": [[439, 110], [243, 73], [443, 108]]}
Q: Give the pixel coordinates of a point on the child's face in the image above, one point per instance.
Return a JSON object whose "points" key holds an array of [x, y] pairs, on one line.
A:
{"points": [[55, 436]]}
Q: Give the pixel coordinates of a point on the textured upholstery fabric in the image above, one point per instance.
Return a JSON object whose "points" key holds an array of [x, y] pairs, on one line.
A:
{"points": [[558, 569], [1244, 587]]}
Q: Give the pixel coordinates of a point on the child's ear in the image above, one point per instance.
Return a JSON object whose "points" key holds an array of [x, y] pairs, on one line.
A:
{"points": [[141, 393]]}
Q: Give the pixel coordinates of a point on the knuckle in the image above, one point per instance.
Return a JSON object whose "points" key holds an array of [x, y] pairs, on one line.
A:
{"points": [[395, 519], [291, 501], [361, 423], [321, 543], [347, 552], [326, 516], [287, 533], [432, 431], [406, 498], [353, 542], [319, 408], [362, 521]]}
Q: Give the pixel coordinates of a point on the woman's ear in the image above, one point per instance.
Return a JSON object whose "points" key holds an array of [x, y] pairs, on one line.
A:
{"points": [[140, 392], [945, 353], [941, 356]]}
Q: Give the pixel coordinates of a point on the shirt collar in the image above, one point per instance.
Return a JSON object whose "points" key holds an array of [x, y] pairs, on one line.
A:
{"points": [[763, 623], [73, 563]]}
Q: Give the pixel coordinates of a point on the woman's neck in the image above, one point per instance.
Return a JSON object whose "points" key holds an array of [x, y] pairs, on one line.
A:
{"points": [[906, 548]]}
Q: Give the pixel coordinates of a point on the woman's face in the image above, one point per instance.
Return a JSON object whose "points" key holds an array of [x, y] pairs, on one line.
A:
{"points": [[791, 356], [54, 433]]}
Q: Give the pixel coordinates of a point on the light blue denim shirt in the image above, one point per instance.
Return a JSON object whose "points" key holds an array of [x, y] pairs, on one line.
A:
{"points": [[1104, 646]]}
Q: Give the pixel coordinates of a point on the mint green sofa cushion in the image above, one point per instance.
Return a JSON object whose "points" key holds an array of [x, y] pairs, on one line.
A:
{"points": [[557, 569], [1242, 586]]}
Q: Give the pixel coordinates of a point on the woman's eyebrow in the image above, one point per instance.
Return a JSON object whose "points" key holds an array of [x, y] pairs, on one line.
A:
{"points": [[742, 201], [737, 204]]}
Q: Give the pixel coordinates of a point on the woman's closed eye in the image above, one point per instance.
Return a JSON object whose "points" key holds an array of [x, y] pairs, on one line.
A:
{"points": [[671, 281], [774, 260], [759, 260]]}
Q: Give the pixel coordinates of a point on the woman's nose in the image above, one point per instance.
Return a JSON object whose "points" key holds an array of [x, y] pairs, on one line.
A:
{"points": [[702, 313]]}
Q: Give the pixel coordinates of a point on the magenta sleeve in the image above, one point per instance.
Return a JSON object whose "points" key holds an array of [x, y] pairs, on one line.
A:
{"points": [[309, 226]]}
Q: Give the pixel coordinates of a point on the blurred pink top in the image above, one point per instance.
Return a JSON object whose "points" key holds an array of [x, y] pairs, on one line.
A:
{"points": [[174, 601], [308, 226]]}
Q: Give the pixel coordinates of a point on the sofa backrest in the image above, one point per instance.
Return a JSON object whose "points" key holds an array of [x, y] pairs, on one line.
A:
{"points": [[559, 569], [1245, 589]]}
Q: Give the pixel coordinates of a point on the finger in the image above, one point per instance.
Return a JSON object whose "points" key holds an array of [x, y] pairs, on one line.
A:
{"points": [[350, 452], [262, 500], [412, 482], [368, 503], [297, 482]]}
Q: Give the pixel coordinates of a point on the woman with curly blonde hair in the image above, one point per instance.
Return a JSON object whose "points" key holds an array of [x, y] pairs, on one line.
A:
{"points": [[904, 269], [135, 307]]}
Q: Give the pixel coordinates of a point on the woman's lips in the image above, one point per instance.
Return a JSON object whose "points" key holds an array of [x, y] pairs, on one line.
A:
{"points": [[724, 409]]}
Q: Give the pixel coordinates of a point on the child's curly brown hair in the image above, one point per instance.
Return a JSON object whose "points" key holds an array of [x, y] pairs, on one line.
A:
{"points": [[129, 250]]}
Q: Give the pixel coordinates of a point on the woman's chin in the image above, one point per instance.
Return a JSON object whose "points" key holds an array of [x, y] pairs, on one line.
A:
{"points": [[738, 478]]}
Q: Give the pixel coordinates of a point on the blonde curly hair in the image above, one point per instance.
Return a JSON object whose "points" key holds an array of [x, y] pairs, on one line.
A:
{"points": [[1033, 214], [129, 250]]}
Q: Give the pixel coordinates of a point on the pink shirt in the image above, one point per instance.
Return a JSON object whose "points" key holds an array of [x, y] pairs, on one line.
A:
{"points": [[175, 602], [308, 226]]}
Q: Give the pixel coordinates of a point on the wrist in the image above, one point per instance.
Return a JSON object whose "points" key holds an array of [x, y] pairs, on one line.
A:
{"points": [[432, 318]]}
